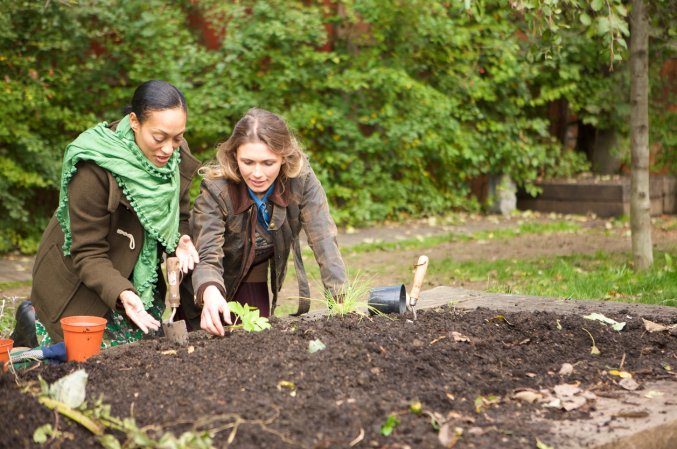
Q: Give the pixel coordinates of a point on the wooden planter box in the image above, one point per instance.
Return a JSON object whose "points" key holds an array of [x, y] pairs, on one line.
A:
{"points": [[601, 196]]}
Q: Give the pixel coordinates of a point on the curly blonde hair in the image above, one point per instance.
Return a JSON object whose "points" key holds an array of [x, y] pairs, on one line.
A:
{"points": [[258, 126]]}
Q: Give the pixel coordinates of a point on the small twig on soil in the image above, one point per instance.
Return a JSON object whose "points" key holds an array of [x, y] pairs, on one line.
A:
{"points": [[56, 428], [357, 439], [620, 367], [237, 421], [438, 339]]}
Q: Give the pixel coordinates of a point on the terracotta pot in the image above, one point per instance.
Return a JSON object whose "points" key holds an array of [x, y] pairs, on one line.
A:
{"points": [[83, 336], [5, 347]]}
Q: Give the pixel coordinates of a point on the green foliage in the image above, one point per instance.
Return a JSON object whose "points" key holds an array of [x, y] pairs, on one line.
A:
{"points": [[600, 276], [399, 104], [390, 424], [65, 66], [250, 318], [350, 298]]}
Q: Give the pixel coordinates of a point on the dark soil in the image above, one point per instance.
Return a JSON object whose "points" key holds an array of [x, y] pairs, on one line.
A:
{"points": [[370, 369]]}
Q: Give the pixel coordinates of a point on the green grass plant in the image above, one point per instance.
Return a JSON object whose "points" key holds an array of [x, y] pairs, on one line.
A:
{"points": [[422, 243], [352, 298], [599, 276]]}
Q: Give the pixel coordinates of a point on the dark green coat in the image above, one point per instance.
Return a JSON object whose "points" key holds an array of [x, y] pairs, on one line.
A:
{"points": [[107, 240]]}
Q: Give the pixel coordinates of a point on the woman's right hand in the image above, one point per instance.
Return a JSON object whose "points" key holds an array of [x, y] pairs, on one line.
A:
{"points": [[136, 312], [214, 307]]}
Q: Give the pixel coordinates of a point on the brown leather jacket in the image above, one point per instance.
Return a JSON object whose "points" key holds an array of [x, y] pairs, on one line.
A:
{"points": [[223, 222], [107, 240]]}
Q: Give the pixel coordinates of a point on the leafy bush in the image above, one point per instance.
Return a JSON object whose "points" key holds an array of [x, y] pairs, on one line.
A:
{"points": [[399, 104]]}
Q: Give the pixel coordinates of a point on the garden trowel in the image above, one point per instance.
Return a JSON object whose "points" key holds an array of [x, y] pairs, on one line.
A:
{"points": [[419, 274], [176, 331]]}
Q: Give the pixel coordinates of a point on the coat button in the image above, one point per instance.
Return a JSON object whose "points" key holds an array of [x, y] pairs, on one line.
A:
{"points": [[272, 226]]}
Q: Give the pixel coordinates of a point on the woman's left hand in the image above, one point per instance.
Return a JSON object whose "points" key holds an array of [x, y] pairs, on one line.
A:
{"points": [[187, 254]]}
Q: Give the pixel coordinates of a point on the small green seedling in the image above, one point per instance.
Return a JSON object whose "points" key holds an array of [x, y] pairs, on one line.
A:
{"points": [[249, 316], [390, 424]]}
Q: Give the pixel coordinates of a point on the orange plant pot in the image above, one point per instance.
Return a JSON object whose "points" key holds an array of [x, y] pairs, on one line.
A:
{"points": [[6, 345], [82, 336]]}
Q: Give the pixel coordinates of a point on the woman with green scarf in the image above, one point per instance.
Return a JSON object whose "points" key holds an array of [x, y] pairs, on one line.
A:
{"points": [[124, 200]]}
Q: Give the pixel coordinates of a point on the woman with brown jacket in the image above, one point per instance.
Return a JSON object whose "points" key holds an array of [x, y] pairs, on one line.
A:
{"points": [[124, 200], [248, 216]]}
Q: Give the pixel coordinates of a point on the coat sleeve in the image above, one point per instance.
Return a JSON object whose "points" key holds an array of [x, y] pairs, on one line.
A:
{"points": [[208, 224], [90, 221], [321, 232]]}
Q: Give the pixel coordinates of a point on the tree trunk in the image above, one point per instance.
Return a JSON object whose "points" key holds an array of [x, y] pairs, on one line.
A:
{"points": [[640, 200]]}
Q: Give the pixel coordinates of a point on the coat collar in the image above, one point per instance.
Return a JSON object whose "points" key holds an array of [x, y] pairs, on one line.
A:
{"points": [[241, 200]]}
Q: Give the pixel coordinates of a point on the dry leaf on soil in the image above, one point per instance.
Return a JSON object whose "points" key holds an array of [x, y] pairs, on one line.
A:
{"points": [[651, 327]]}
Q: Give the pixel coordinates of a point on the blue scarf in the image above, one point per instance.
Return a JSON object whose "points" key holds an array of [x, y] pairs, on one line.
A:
{"points": [[262, 210]]}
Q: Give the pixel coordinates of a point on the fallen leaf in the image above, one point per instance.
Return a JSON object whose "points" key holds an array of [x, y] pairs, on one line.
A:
{"points": [[651, 327], [70, 389], [460, 337], [566, 369], [629, 384], [542, 445], [482, 401], [564, 390], [316, 345], [621, 374], [615, 325], [448, 436], [529, 396], [653, 394], [286, 385], [632, 414]]}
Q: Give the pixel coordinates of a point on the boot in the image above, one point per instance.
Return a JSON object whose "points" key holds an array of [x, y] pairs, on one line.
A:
{"points": [[24, 330]]}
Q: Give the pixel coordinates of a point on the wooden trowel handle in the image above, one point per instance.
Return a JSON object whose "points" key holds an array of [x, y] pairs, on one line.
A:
{"points": [[419, 274], [174, 279]]}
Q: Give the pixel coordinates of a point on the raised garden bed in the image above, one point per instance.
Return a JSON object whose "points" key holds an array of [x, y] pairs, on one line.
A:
{"points": [[603, 196], [267, 390]]}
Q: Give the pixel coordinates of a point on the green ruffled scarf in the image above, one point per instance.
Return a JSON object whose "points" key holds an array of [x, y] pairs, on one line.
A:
{"points": [[152, 191]]}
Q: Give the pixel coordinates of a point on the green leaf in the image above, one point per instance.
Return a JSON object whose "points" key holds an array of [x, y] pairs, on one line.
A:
{"points": [[108, 441], [596, 5], [70, 389], [542, 445], [42, 433], [390, 424], [585, 19], [315, 345]]}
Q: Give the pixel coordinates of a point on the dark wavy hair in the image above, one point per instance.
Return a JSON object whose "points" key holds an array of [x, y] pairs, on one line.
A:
{"points": [[155, 95]]}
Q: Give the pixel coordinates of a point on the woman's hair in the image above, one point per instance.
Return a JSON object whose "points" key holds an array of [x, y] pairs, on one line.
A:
{"points": [[258, 126], [155, 95]]}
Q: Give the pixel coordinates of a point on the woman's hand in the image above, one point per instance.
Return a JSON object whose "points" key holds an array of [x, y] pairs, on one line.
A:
{"points": [[135, 311], [214, 307], [187, 254]]}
